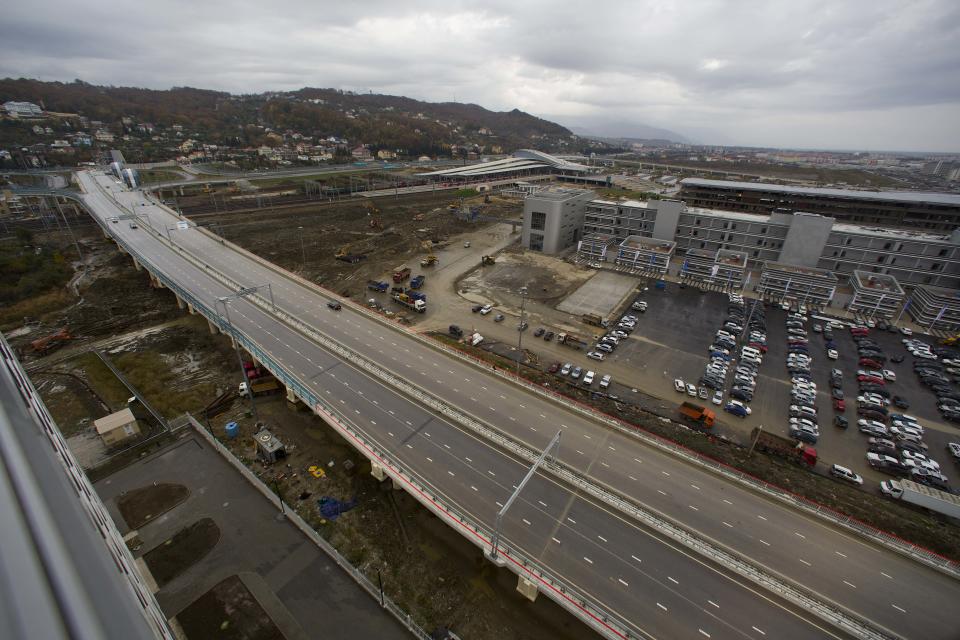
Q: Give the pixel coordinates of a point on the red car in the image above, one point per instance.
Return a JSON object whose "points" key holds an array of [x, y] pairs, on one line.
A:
{"points": [[871, 379], [873, 364], [554, 367], [839, 404], [859, 331], [762, 348]]}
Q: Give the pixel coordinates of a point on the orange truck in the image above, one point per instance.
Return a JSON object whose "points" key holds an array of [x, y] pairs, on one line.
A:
{"points": [[701, 415], [401, 273]]}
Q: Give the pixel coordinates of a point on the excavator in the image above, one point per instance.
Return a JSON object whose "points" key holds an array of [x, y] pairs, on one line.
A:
{"points": [[52, 342], [374, 214]]}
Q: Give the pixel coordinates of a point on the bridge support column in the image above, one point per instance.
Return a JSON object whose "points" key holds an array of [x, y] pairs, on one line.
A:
{"points": [[180, 303], [213, 328], [527, 588], [107, 236], [136, 265], [292, 400], [377, 472], [190, 308]]}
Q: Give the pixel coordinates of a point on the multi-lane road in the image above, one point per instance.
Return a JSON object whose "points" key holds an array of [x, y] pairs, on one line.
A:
{"points": [[661, 589]]}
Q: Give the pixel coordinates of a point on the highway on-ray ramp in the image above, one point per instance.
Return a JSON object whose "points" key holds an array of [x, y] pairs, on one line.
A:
{"points": [[880, 585]]}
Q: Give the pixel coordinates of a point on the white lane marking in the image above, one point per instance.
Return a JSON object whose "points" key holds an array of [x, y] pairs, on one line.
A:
{"points": [[468, 459], [800, 535], [760, 631], [543, 416], [885, 575], [661, 606], [761, 517], [631, 477], [447, 446], [611, 448], [727, 501], [714, 603], [638, 460], [588, 559], [703, 632], [727, 524], [636, 558], [587, 437], [527, 522], [555, 540], [663, 492], [473, 487], [602, 539], [427, 433], [621, 581], [523, 406], [804, 562], [764, 542], [572, 521], [850, 584], [842, 555], [563, 426], [673, 580], [542, 502], [512, 419], [901, 610], [499, 504], [429, 459], [693, 507], [409, 447], [665, 473], [452, 473], [695, 487], [491, 473], [389, 433]]}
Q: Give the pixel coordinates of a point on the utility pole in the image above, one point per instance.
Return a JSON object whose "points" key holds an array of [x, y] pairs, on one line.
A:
{"points": [[303, 253], [236, 346], [523, 303], [754, 443]]}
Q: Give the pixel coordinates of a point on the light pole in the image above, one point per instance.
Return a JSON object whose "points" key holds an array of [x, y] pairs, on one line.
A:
{"points": [[523, 303], [236, 346], [303, 252]]}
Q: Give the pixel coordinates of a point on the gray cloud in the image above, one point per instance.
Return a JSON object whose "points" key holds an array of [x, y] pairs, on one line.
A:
{"points": [[857, 74]]}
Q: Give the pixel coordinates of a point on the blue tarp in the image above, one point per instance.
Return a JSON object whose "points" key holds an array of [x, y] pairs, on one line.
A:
{"points": [[331, 508]]}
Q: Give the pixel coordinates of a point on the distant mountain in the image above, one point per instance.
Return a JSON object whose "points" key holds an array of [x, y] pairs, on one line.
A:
{"points": [[379, 121], [618, 129]]}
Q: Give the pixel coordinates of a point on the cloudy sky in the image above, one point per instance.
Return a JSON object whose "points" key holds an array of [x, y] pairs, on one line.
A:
{"points": [[842, 74]]}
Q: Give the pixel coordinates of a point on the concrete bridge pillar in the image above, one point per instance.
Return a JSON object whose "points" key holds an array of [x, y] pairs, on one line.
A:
{"points": [[136, 265], [180, 303], [106, 235], [377, 472], [527, 588], [292, 398], [190, 308], [213, 328]]}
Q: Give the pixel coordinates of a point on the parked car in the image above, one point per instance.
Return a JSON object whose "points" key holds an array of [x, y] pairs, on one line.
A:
{"points": [[679, 385], [845, 474]]}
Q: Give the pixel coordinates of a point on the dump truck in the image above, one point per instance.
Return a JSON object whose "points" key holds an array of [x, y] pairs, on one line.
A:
{"points": [[417, 305], [701, 415], [54, 341], [784, 447], [260, 387], [571, 340], [922, 496], [594, 319], [429, 261], [417, 282], [416, 295], [401, 273], [379, 287]]}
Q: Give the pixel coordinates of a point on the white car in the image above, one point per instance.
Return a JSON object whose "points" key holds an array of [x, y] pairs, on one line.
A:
{"points": [[487, 308], [679, 385], [718, 400], [906, 331], [605, 381], [845, 474], [596, 355], [691, 390], [588, 378], [832, 354], [889, 375]]}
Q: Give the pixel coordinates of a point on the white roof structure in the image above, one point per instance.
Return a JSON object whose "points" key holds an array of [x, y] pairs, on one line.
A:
{"points": [[522, 160], [113, 421], [888, 196]]}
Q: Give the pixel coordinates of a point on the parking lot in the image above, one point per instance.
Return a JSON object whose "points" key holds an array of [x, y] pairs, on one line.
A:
{"points": [[671, 341]]}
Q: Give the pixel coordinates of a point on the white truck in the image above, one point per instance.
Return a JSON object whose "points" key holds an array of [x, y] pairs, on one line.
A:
{"points": [[923, 496]]}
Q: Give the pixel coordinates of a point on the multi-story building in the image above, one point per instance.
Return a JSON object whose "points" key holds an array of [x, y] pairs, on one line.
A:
{"points": [[646, 255], [22, 109], [796, 286], [910, 209], [723, 267], [652, 218], [553, 219], [875, 294], [935, 308]]}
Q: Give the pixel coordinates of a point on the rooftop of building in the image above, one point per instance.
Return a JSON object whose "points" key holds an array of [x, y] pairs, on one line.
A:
{"points": [[598, 238], [759, 218], [700, 254], [878, 282], [634, 204], [883, 232], [812, 272], [731, 258], [113, 421], [885, 196], [648, 244], [521, 160], [558, 194], [948, 295]]}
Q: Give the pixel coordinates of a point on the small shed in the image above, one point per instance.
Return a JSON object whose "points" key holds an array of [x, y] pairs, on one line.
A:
{"points": [[269, 447], [117, 427]]}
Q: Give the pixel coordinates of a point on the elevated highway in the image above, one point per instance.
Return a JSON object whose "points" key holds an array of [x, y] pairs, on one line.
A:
{"points": [[641, 580]]}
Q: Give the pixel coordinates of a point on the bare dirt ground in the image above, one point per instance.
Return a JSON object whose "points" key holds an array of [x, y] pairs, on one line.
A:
{"points": [[547, 279], [142, 505], [228, 611]]}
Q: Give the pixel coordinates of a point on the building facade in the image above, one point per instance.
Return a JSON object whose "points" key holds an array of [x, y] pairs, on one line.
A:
{"points": [[553, 219], [909, 209], [935, 308], [875, 295]]}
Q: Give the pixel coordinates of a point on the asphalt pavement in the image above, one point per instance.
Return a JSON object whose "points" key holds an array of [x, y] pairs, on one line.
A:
{"points": [[839, 567]]}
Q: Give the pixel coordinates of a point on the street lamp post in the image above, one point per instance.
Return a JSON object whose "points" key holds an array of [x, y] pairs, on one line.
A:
{"points": [[303, 252], [523, 303], [236, 346]]}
